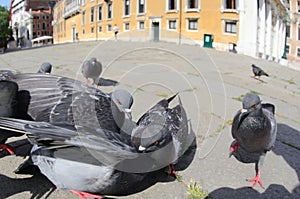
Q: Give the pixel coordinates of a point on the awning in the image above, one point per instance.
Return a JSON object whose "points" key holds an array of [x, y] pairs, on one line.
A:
{"points": [[42, 38]]}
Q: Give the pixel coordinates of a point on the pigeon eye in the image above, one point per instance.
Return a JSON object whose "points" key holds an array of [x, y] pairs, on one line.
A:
{"points": [[119, 102], [156, 142], [254, 106]]}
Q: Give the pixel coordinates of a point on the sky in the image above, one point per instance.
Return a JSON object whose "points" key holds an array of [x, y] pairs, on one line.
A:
{"points": [[5, 3]]}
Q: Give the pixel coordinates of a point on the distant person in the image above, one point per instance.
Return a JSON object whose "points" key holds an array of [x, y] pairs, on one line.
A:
{"points": [[116, 30]]}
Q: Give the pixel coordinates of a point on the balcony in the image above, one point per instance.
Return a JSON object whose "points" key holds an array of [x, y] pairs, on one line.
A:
{"points": [[72, 7]]}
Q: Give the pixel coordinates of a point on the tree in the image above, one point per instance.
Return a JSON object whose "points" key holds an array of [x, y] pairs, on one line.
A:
{"points": [[4, 26]]}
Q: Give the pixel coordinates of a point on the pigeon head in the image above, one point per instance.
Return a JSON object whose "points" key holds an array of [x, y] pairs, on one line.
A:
{"points": [[151, 137], [251, 101], [122, 99], [251, 106], [46, 68]]}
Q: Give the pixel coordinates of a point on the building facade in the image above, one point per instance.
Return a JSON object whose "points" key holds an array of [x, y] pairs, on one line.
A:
{"points": [[293, 33], [31, 19], [256, 28]]}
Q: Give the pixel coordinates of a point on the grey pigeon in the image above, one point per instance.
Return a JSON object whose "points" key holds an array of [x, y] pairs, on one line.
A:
{"points": [[45, 67], [254, 129], [163, 130], [83, 160], [59, 99], [258, 71], [91, 68], [8, 105]]}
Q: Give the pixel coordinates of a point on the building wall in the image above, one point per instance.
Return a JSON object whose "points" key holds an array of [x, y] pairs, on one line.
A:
{"points": [[38, 19], [293, 39], [156, 11], [226, 23]]}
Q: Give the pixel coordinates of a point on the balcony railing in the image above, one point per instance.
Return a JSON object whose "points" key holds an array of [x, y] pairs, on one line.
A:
{"points": [[72, 8]]}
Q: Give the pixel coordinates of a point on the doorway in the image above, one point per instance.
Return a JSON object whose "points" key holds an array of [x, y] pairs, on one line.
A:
{"points": [[155, 28]]}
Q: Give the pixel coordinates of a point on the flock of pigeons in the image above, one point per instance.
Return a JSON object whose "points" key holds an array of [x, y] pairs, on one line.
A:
{"points": [[85, 141]]}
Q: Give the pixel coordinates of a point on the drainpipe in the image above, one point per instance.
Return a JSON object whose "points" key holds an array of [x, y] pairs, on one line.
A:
{"points": [[284, 51], [96, 19], [180, 16]]}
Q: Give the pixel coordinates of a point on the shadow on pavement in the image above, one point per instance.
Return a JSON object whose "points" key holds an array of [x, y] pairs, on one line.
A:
{"points": [[288, 146]]}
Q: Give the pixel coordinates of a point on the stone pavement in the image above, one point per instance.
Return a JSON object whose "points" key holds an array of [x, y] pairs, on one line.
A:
{"points": [[211, 85]]}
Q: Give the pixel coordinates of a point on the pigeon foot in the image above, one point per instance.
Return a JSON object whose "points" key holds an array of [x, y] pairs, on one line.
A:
{"points": [[171, 170], [83, 195], [233, 148], [7, 148], [256, 180]]}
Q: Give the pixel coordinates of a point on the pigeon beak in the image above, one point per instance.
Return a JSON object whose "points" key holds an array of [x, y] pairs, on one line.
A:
{"points": [[141, 148], [244, 110]]}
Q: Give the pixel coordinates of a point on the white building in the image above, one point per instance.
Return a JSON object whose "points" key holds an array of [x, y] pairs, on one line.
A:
{"points": [[21, 23], [262, 29]]}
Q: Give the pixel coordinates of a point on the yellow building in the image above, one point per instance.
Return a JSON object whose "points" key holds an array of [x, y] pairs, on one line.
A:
{"points": [[255, 28], [173, 20]]}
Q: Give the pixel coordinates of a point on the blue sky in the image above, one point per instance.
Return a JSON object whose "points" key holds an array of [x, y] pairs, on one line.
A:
{"points": [[5, 3]]}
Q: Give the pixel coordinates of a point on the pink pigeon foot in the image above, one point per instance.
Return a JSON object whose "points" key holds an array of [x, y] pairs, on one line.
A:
{"points": [[172, 170], [83, 195], [256, 180], [233, 148], [8, 148]]}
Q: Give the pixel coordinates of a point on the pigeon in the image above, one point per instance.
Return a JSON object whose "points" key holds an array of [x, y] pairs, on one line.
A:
{"points": [[59, 99], [163, 130], [99, 81], [254, 129], [8, 105], [45, 67], [258, 71], [81, 159], [91, 68]]}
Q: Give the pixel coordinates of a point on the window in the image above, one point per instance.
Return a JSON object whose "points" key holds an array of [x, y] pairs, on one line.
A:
{"points": [[287, 4], [127, 7], [298, 33], [172, 24], [83, 31], [109, 10], [100, 29], [141, 25], [92, 29], [287, 49], [230, 4], [288, 31], [192, 24], [109, 27], [44, 26], [126, 26], [230, 27], [83, 2], [192, 4], [92, 14], [100, 13], [298, 52], [141, 6], [172, 4], [298, 6], [83, 18]]}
